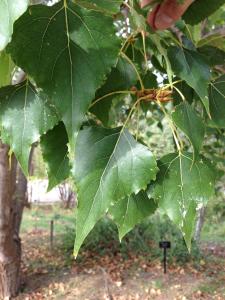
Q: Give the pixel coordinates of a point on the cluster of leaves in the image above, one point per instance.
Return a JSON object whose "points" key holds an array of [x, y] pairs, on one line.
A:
{"points": [[88, 71]]}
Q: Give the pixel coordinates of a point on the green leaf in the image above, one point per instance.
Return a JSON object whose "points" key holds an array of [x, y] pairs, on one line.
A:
{"points": [[138, 21], [215, 40], [181, 188], [6, 68], [214, 56], [157, 65], [185, 92], [190, 66], [121, 78], [130, 211], [162, 49], [150, 80], [24, 117], [191, 124], [135, 52], [109, 166], [71, 49], [200, 10], [55, 154], [217, 101], [108, 6], [10, 11]]}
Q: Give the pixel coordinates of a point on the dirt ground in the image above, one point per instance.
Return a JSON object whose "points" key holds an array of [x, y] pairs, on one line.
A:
{"points": [[50, 274]]}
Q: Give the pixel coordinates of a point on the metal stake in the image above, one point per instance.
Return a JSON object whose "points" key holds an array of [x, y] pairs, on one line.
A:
{"points": [[51, 233], [164, 245]]}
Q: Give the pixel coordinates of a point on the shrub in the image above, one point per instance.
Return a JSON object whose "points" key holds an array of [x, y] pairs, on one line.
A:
{"points": [[142, 240]]}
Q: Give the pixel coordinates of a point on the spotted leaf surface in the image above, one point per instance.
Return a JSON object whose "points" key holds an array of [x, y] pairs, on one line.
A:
{"points": [[182, 188], [130, 211], [68, 50], [109, 165], [24, 116]]}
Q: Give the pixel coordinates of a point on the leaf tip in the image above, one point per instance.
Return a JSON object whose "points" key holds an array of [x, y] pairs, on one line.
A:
{"points": [[76, 250], [121, 237], [122, 233], [50, 186], [75, 253]]}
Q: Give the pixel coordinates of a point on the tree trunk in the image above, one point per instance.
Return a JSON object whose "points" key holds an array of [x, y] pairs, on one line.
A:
{"points": [[199, 223], [13, 199], [31, 161], [66, 195], [10, 246], [20, 198]]}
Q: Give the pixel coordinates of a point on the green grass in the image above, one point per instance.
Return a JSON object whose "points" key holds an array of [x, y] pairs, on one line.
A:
{"points": [[213, 231], [214, 225], [39, 218]]}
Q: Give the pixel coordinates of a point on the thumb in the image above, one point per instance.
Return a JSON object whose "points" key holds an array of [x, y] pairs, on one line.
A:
{"points": [[164, 15], [143, 3]]}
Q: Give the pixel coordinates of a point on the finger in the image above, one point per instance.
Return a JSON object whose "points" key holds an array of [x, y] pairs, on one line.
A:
{"points": [[145, 2], [167, 13], [151, 16]]}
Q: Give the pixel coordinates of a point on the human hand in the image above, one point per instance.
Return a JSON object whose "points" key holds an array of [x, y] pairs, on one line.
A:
{"points": [[165, 14]]}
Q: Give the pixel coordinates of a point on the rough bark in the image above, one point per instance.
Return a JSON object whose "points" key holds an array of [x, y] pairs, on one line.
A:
{"points": [[199, 224], [20, 194], [10, 246], [20, 198], [31, 161], [13, 199]]}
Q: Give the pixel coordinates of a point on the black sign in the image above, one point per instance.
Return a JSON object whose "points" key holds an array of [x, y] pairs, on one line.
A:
{"points": [[164, 245]]}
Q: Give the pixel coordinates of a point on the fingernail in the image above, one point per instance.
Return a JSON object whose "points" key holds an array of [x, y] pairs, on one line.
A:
{"points": [[163, 21]]}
